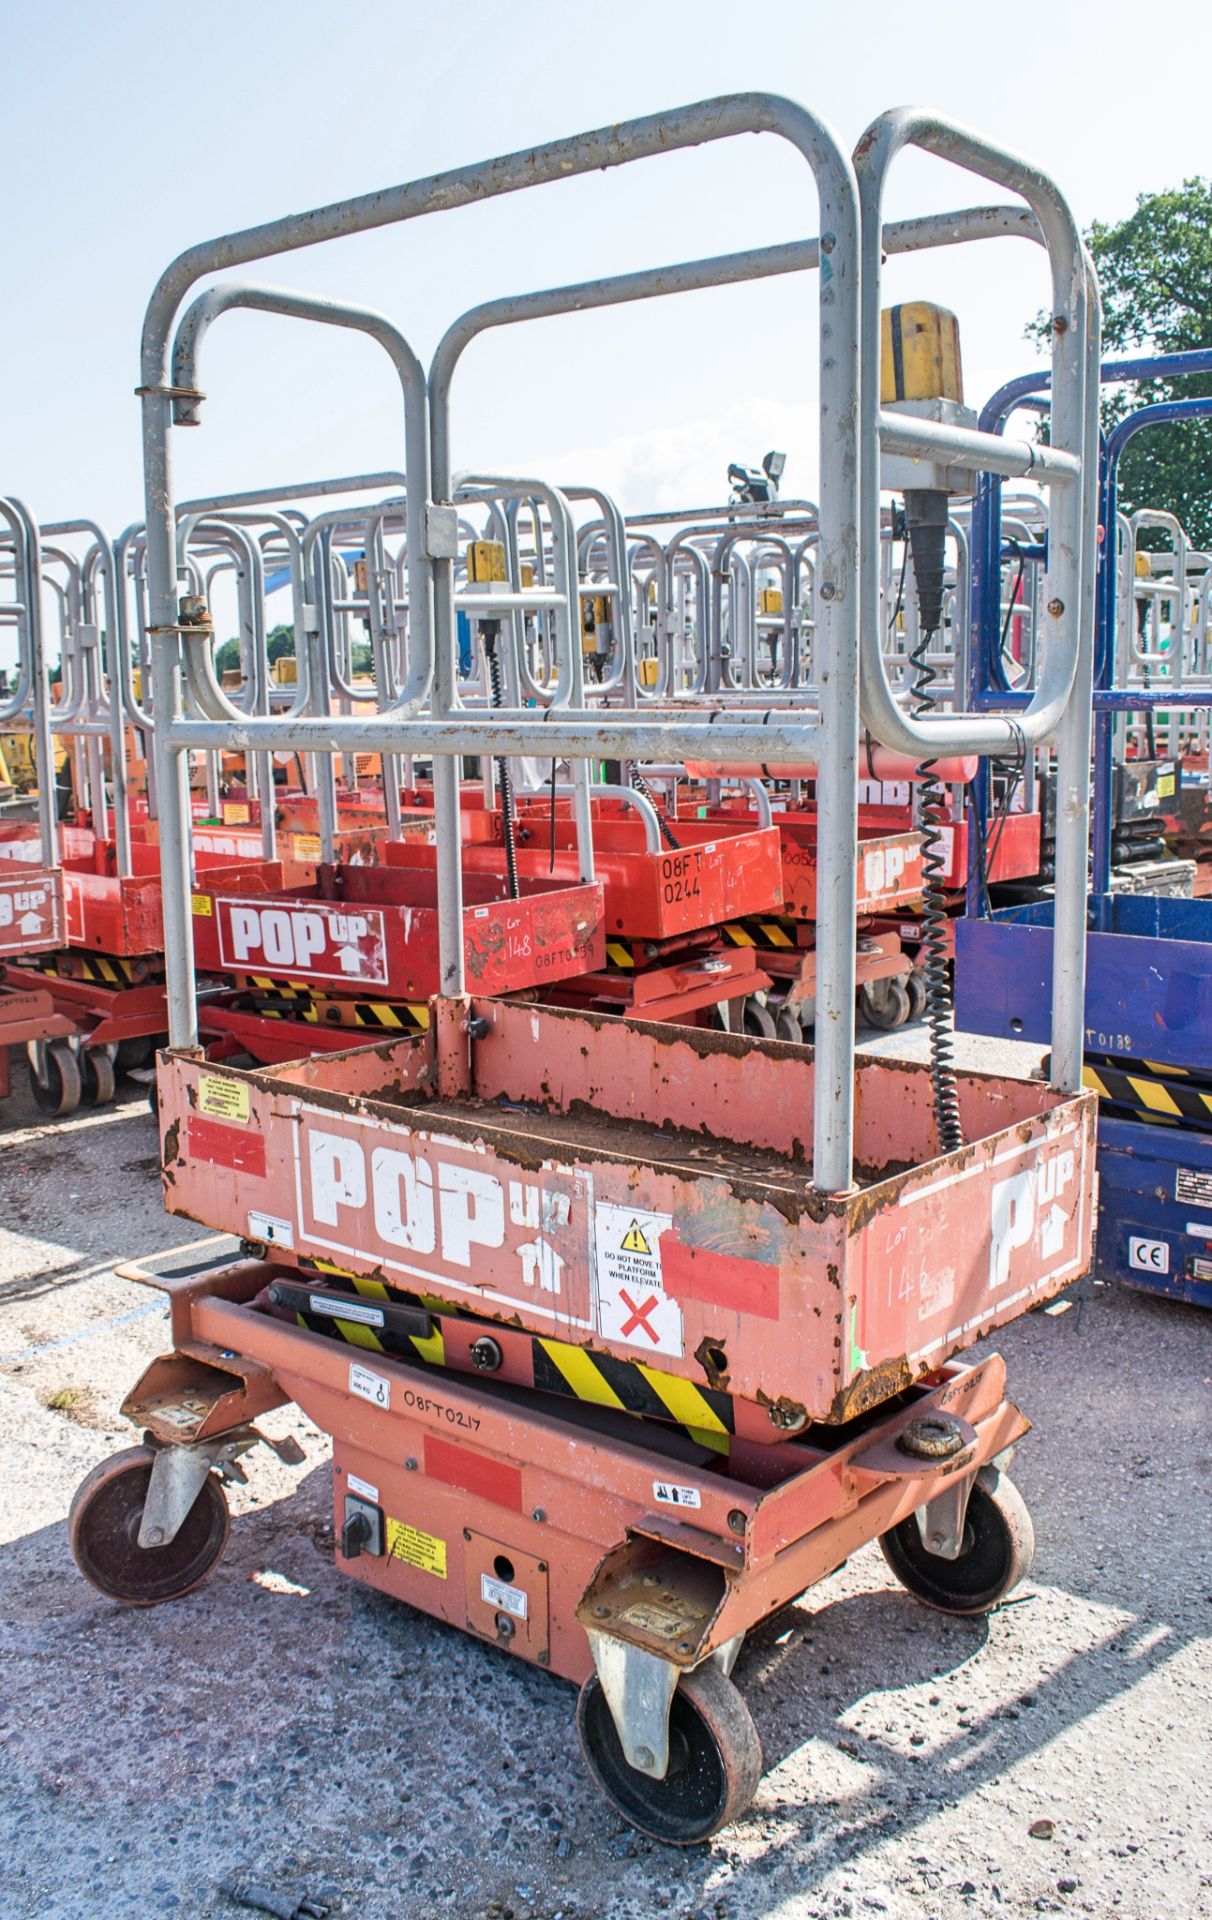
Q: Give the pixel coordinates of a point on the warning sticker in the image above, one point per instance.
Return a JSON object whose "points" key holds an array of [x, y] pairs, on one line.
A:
{"points": [[222, 1099], [671, 1495], [416, 1549], [356, 1310], [632, 1306], [499, 1594], [203, 905], [1193, 1187], [370, 1386], [186, 1413], [236, 813], [306, 846], [269, 1228]]}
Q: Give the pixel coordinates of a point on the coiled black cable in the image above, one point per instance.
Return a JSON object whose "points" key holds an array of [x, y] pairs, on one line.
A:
{"points": [[932, 817], [642, 787], [504, 777], [926, 533]]}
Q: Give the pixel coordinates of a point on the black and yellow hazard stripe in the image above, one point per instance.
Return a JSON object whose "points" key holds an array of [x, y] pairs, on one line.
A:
{"points": [[428, 1348], [758, 933], [559, 1368], [277, 1000], [396, 1016], [104, 969], [619, 955], [631, 1387], [1112, 1110], [1150, 1090]]}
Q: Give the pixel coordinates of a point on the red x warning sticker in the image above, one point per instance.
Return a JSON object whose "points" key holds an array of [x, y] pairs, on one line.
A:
{"points": [[633, 1308]]}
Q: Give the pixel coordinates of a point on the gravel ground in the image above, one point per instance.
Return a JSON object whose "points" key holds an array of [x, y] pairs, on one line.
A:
{"points": [[296, 1728]]}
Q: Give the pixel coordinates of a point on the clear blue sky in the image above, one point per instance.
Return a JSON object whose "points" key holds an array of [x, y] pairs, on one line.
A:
{"points": [[132, 130]]}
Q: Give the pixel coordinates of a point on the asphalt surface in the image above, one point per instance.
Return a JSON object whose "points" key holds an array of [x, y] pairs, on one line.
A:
{"points": [[291, 1727]]}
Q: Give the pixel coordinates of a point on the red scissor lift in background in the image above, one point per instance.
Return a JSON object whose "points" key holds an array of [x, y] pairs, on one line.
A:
{"points": [[102, 979], [358, 949], [1011, 851], [703, 909], [31, 924], [665, 956], [889, 876]]}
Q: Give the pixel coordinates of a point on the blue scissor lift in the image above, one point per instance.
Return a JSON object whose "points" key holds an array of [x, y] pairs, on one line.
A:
{"points": [[1148, 958]]}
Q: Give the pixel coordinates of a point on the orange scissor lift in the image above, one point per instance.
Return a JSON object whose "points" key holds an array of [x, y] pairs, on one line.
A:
{"points": [[359, 948], [31, 882], [624, 1334], [888, 879], [665, 956], [100, 980], [31, 924], [703, 907]]}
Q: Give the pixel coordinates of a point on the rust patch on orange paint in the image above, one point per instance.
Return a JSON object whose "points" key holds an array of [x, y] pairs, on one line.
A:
{"points": [[713, 1359], [871, 1389]]}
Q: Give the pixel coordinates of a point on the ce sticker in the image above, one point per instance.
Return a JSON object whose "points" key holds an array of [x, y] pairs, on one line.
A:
{"points": [[1149, 1256]]}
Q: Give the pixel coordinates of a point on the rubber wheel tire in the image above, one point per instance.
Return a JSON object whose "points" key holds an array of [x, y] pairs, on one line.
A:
{"points": [[715, 1760], [103, 1533], [915, 987], [787, 1025], [59, 1094], [134, 1053], [97, 1077], [999, 1546], [758, 1020], [888, 1012]]}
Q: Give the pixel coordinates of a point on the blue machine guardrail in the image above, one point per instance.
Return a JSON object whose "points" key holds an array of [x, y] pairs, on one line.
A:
{"points": [[1149, 960]]}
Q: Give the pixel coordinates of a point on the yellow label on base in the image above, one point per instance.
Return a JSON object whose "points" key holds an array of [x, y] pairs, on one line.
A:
{"points": [[416, 1549], [306, 846], [222, 1099], [203, 904]]}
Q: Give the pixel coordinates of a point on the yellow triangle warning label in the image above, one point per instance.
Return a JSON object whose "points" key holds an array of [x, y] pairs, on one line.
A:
{"points": [[634, 1241]]}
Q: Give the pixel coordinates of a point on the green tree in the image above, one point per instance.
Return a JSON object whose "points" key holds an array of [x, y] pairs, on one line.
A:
{"points": [[1155, 271], [281, 641]]}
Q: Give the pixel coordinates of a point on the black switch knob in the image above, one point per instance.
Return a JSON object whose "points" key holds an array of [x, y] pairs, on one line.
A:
{"points": [[355, 1535]]}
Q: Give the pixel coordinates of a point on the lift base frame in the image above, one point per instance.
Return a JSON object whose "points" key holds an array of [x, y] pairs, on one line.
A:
{"points": [[493, 1511]]}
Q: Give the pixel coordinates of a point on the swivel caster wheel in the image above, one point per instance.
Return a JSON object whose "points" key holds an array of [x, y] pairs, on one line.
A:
{"points": [[103, 1533], [915, 987], [884, 1004], [787, 1025], [997, 1551], [55, 1079], [715, 1760], [134, 1053], [758, 1020], [97, 1077]]}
